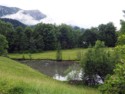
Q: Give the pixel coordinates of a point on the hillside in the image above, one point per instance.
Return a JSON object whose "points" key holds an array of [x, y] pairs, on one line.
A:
{"points": [[15, 23], [16, 78]]}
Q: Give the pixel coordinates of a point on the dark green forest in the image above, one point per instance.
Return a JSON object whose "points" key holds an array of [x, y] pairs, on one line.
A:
{"points": [[44, 37]]}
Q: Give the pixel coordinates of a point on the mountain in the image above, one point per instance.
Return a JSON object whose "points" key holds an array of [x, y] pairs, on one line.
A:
{"points": [[15, 23], [29, 17], [7, 10]]}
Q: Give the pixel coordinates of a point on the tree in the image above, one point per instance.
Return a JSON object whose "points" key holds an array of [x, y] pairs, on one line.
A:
{"points": [[89, 37], [20, 40], [58, 53], [121, 39], [31, 39], [5, 28], [107, 34], [11, 37], [39, 43], [66, 36], [47, 31], [3, 45], [122, 29], [97, 61]]}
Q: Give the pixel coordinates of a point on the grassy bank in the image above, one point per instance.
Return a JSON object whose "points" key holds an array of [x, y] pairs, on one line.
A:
{"points": [[16, 78], [72, 54]]}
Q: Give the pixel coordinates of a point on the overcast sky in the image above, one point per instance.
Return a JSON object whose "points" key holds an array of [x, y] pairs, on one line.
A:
{"points": [[84, 13]]}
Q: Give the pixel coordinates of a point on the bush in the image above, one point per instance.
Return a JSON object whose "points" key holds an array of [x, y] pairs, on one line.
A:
{"points": [[59, 53], [115, 84], [16, 90], [121, 40], [97, 62]]}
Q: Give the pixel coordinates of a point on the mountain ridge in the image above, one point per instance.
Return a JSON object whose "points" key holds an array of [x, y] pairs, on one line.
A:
{"points": [[15, 23], [28, 17]]}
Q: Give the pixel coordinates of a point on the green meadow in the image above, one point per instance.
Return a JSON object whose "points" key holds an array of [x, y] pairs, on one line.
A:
{"points": [[70, 54]]}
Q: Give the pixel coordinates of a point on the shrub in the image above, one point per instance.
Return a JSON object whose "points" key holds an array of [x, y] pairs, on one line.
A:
{"points": [[16, 90], [115, 84], [97, 62], [59, 53]]}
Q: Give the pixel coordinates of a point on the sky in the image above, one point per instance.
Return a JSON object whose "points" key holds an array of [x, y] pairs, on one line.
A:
{"points": [[83, 13]]}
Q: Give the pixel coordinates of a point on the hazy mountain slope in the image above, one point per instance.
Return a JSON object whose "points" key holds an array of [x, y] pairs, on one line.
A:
{"points": [[15, 23], [29, 17]]}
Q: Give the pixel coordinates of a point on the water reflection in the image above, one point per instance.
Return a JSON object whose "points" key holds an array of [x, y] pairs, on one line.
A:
{"points": [[63, 70]]}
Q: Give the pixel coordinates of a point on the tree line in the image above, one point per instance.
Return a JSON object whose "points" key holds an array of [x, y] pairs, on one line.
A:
{"points": [[47, 36]]}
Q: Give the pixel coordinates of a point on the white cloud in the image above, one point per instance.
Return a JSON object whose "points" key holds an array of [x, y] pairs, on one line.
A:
{"points": [[26, 19]]}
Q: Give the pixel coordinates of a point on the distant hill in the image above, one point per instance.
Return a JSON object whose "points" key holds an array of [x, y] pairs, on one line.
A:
{"points": [[15, 23], [29, 17], [7, 10]]}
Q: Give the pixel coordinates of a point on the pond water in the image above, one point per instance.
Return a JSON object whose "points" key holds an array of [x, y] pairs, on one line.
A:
{"points": [[62, 70]]}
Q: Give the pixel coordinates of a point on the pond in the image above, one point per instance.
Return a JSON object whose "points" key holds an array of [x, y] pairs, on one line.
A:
{"points": [[61, 70]]}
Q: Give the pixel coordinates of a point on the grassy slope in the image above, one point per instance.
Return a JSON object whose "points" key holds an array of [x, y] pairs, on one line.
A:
{"points": [[16, 77], [66, 55]]}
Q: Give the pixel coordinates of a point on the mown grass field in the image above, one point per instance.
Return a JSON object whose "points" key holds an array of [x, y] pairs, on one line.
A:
{"points": [[16, 78], [72, 54]]}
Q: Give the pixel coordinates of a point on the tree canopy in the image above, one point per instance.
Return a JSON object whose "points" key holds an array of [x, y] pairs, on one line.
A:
{"points": [[3, 45], [46, 36]]}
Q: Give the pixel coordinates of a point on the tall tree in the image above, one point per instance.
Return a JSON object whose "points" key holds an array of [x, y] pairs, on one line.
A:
{"points": [[89, 37], [47, 31], [21, 39], [108, 34], [3, 45], [66, 37]]}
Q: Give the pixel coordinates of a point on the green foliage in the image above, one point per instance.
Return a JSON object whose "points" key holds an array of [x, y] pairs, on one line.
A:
{"points": [[59, 52], [47, 32], [30, 56], [79, 55], [107, 34], [5, 28], [122, 29], [15, 23], [66, 36], [99, 44], [97, 61], [120, 50], [121, 40], [89, 37], [115, 84], [16, 90], [45, 36], [3, 45]]}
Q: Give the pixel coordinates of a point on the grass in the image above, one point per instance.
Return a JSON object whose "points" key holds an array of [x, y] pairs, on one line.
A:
{"points": [[72, 54], [16, 78]]}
